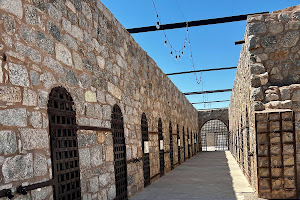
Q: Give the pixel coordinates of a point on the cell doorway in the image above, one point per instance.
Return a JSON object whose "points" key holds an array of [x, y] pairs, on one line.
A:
{"points": [[214, 136]]}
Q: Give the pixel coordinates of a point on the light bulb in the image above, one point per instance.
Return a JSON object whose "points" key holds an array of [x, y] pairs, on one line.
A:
{"points": [[157, 25], [166, 43]]}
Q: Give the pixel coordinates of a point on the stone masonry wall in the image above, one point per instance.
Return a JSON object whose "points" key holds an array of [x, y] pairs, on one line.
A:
{"points": [[79, 45], [268, 74]]}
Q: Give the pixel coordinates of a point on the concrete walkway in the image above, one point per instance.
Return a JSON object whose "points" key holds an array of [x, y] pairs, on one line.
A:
{"points": [[208, 175]]}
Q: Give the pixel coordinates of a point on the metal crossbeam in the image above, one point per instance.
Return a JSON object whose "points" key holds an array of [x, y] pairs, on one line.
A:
{"points": [[207, 92], [192, 23], [202, 70], [210, 102]]}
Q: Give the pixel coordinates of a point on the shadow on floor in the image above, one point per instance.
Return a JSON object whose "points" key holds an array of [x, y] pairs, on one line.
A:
{"points": [[205, 176]]}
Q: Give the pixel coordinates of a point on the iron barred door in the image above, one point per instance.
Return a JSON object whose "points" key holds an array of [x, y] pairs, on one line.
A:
{"points": [[183, 135], [145, 146], [119, 153], [188, 136], [171, 146], [64, 145], [178, 144], [161, 148]]}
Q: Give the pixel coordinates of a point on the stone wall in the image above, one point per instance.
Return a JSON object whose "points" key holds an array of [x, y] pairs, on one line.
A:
{"points": [[267, 78], [80, 46]]}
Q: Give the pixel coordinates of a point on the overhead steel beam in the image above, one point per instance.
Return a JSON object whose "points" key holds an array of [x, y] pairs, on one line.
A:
{"points": [[202, 70], [239, 42], [207, 92], [192, 23], [210, 102]]}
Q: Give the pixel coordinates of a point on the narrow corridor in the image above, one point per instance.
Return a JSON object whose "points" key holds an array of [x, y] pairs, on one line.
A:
{"points": [[208, 175]]}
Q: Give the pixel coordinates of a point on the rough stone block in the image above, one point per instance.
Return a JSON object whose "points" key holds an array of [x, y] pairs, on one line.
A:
{"points": [[35, 119], [96, 155], [45, 43], [90, 96], [93, 185], [29, 97], [40, 167], [18, 75], [8, 142], [34, 138], [12, 6], [53, 65], [290, 39], [63, 54], [109, 154], [84, 158], [13, 117], [10, 94], [17, 168], [42, 98], [47, 79], [42, 193]]}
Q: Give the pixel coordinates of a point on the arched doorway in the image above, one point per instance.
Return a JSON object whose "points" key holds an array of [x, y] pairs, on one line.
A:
{"points": [[161, 148], [145, 148], [214, 136], [64, 145], [119, 153], [171, 146]]}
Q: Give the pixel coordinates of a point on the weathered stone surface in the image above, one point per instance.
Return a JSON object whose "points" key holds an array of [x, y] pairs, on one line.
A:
{"points": [[63, 54], [257, 28], [77, 61], [45, 43], [77, 32], [40, 4], [268, 41], [40, 165], [90, 96], [85, 158], [257, 94], [18, 75], [17, 168], [275, 27], [29, 97], [9, 23], [13, 117], [54, 65], [34, 138], [253, 44], [33, 54], [257, 68], [10, 94], [35, 119], [93, 185], [8, 142], [12, 6], [115, 91], [42, 193], [54, 13], [31, 15], [71, 77], [290, 39], [28, 34], [70, 42], [54, 31], [47, 79], [96, 155]]}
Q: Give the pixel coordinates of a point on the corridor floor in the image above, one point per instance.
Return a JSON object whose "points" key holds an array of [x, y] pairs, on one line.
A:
{"points": [[207, 175]]}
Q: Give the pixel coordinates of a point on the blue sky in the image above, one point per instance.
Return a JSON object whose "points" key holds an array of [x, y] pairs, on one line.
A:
{"points": [[212, 46]]}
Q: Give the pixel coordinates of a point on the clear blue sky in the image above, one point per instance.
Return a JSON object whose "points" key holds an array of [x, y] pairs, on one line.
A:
{"points": [[212, 46]]}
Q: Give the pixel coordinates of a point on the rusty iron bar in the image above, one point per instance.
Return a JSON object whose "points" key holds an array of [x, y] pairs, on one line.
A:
{"points": [[192, 23], [201, 70], [207, 92], [210, 102], [239, 42]]}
